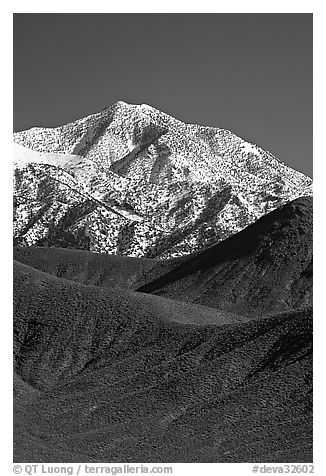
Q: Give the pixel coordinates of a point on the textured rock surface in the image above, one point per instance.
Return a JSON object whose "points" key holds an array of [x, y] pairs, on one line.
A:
{"points": [[132, 180]]}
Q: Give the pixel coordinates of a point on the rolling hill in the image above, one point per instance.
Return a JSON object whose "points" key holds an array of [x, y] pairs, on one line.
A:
{"points": [[115, 375], [265, 268], [98, 269]]}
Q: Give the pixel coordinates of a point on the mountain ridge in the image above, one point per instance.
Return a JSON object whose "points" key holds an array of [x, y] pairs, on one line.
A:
{"points": [[153, 186]]}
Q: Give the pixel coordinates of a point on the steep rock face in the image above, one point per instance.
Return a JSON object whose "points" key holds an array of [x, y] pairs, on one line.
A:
{"points": [[132, 180]]}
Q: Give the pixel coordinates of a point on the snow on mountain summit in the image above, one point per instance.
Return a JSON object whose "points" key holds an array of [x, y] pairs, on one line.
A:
{"points": [[139, 182]]}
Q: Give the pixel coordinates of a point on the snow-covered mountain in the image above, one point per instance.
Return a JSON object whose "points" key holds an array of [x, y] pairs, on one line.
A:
{"points": [[133, 180]]}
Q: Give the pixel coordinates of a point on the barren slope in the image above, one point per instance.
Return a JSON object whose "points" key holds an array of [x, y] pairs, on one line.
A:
{"points": [[111, 375], [266, 268], [97, 269]]}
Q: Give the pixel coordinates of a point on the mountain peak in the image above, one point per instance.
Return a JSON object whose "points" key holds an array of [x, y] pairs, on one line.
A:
{"points": [[133, 180], [124, 104]]}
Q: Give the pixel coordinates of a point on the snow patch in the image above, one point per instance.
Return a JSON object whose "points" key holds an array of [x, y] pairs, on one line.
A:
{"points": [[24, 156], [249, 148], [131, 146], [146, 106]]}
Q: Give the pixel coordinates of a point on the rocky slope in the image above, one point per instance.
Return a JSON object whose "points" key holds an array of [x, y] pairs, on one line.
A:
{"points": [[132, 180]]}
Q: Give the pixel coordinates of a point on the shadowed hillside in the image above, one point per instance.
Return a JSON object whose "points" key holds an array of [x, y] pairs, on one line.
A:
{"points": [[265, 268], [110, 375], [96, 269]]}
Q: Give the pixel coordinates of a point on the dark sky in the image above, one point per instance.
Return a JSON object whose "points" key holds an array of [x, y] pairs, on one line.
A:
{"points": [[250, 73]]}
